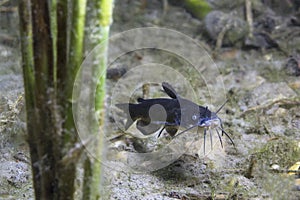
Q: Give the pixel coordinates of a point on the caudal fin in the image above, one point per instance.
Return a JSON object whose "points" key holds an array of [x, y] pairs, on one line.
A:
{"points": [[125, 107]]}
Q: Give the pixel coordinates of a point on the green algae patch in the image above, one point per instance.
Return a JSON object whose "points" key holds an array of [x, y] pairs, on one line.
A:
{"points": [[198, 8]]}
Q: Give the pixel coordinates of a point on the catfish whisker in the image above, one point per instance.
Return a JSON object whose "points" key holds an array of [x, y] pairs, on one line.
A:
{"points": [[219, 138], [185, 130], [211, 139], [224, 132], [160, 132], [221, 106], [204, 140]]}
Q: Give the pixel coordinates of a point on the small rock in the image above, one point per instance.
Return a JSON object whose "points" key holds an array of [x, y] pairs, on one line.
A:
{"points": [[292, 65], [296, 123], [116, 73], [216, 21], [261, 40], [275, 167]]}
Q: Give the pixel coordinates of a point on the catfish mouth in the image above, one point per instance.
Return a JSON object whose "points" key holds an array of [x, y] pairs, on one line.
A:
{"points": [[210, 123], [213, 123]]}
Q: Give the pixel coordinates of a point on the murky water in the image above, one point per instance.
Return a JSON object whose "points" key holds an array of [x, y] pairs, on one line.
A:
{"points": [[262, 117]]}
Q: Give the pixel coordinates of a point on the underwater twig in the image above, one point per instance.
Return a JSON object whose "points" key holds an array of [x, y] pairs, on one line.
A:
{"points": [[249, 17], [285, 101], [221, 37]]}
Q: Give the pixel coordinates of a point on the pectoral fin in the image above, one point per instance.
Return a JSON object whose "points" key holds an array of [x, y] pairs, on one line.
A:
{"points": [[172, 130]]}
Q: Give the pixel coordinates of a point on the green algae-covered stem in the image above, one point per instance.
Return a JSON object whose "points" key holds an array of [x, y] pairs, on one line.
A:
{"points": [[37, 58], [48, 81], [29, 79], [52, 38], [69, 57], [102, 19]]}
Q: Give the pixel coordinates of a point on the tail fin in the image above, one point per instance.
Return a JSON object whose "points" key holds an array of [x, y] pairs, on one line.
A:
{"points": [[126, 107]]}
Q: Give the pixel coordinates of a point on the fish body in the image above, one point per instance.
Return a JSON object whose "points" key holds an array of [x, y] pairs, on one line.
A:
{"points": [[169, 113]]}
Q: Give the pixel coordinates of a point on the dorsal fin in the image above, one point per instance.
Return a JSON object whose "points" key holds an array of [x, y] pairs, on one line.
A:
{"points": [[169, 90], [140, 99]]}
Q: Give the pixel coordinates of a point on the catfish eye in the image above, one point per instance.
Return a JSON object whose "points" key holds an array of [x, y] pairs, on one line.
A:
{"points": [[194, 117]]}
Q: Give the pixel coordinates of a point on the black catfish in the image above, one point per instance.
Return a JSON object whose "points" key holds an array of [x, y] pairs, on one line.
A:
{"points": [[170, 114]]}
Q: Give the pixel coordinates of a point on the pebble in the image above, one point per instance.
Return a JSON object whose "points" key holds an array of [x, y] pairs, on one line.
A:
{"points": [[292, 65], [215, 22]]}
